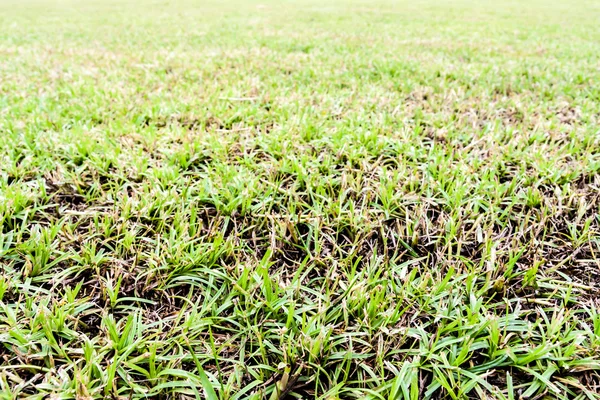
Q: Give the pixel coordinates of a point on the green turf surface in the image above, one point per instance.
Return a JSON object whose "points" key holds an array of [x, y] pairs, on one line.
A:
{"points": [[308, 199]]}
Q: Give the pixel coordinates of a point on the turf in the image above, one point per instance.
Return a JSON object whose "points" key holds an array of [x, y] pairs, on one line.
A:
{"points": [[308, 199]]}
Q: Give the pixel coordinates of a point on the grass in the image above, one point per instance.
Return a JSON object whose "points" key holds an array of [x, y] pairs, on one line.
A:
{"points": [[332, 200]]}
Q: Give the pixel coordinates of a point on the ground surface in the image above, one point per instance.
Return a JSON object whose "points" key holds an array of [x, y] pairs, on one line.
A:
{"points": [[316, 199]]}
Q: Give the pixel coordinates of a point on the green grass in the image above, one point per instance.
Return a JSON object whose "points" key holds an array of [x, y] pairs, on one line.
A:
{"points": [[307, 199]]}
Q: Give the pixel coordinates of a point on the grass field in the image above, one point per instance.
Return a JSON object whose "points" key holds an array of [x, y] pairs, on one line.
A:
{"points": [[309, 199]]}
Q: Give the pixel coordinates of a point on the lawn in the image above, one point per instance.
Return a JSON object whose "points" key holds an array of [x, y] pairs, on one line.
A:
{"points": [[299, 199]]}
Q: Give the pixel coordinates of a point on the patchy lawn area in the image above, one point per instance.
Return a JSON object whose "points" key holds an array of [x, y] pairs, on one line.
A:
{"points": [[299, 199]]}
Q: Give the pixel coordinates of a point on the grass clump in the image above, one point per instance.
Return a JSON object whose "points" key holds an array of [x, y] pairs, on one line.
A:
{"points": [[334, 201]]}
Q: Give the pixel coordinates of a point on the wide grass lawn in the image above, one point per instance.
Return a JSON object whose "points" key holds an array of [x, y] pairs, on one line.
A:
{"points": [[311, 199]]}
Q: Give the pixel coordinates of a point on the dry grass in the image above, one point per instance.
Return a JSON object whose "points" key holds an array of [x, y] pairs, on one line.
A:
{"points": [[333, 201]]}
